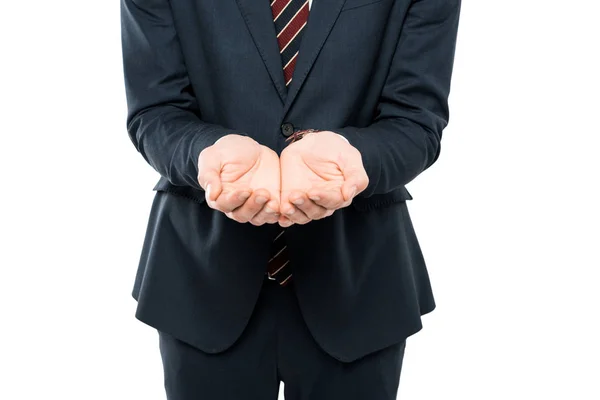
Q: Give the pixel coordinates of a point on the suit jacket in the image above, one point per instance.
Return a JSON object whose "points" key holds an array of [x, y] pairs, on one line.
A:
{"points": [[375, 71]]}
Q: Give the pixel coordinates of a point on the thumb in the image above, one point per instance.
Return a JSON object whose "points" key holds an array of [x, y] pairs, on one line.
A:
{"points": [[355, 181], [213, 186], [209, 176]]}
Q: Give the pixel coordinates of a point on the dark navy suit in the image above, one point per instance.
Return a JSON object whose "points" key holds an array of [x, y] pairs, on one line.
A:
{"points": [[375, 71]]}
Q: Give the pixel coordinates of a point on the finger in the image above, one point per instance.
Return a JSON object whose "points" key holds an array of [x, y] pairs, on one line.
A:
{"points": [[355, 181], [299, 217], [264, 218], [252, 206], [209, 174], [212, 182], [328, 199], [272, 207], [285, 222], [308, 207], [227, 202], [286, 209], [268, 215], [292, 213]]}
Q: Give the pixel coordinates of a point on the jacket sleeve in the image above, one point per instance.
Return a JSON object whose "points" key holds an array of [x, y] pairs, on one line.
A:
{"points": [[404, 138], [163, 118]]}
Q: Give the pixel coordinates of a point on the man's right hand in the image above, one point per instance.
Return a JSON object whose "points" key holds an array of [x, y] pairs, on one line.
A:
{"points": [[242, 179]]}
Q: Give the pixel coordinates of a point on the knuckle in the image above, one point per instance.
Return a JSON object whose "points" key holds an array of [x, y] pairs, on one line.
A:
{"points": [[326, 213], [317, 214], [335, 205], [241, 217], [272, 219], [224, 206], [306, 208]]}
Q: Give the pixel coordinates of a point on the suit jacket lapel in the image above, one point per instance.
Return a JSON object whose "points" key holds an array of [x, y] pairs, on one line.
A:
{"points": [[259, 19], [322, 17]]}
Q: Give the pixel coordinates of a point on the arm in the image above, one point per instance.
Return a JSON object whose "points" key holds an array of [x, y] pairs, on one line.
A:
{"points": [[163, 118], [404, 139]]}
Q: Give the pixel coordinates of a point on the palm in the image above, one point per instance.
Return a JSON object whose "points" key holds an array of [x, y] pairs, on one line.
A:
{"points": [[309, 171], [254, 170]]}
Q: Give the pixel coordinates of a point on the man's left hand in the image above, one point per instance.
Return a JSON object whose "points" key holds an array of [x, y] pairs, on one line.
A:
{"points": [[320, 173]]}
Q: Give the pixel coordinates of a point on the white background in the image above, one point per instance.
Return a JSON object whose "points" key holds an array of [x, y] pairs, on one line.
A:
{"points": [[508, 217]]}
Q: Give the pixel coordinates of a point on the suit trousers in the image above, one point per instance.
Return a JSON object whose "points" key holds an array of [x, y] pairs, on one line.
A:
{"points": [[276, 346]]}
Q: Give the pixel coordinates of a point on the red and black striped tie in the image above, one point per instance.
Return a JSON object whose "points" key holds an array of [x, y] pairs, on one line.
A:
{"points": [[290, 17]]}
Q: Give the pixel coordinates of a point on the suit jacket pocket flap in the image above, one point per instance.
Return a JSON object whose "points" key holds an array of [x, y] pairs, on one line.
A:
{"points": [[163, 185], [381, 200]]}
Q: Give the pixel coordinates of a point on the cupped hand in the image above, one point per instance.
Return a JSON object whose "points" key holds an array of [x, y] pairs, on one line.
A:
{"points": [[241, 178], [320, 173]]}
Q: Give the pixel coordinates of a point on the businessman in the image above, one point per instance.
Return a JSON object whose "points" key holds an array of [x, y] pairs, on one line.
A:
{"points": [[279, 246]]}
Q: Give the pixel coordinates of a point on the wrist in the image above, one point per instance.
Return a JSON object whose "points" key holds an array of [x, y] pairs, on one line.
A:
{"points": [[309, 132], [301, 134]]}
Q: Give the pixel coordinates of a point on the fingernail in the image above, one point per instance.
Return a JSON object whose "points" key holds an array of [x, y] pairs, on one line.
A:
{"points": [[261, 200], [353, 190], [244, 195], [268, 210], [208, 191], [291, 212], [298, 202], [315, 198]]}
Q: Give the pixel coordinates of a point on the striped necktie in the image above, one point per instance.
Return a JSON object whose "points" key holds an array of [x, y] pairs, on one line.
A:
{"points": [[290, 17]]}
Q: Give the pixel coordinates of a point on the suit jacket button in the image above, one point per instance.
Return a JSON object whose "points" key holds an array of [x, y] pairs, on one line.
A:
{"points": [[287, 129]]}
